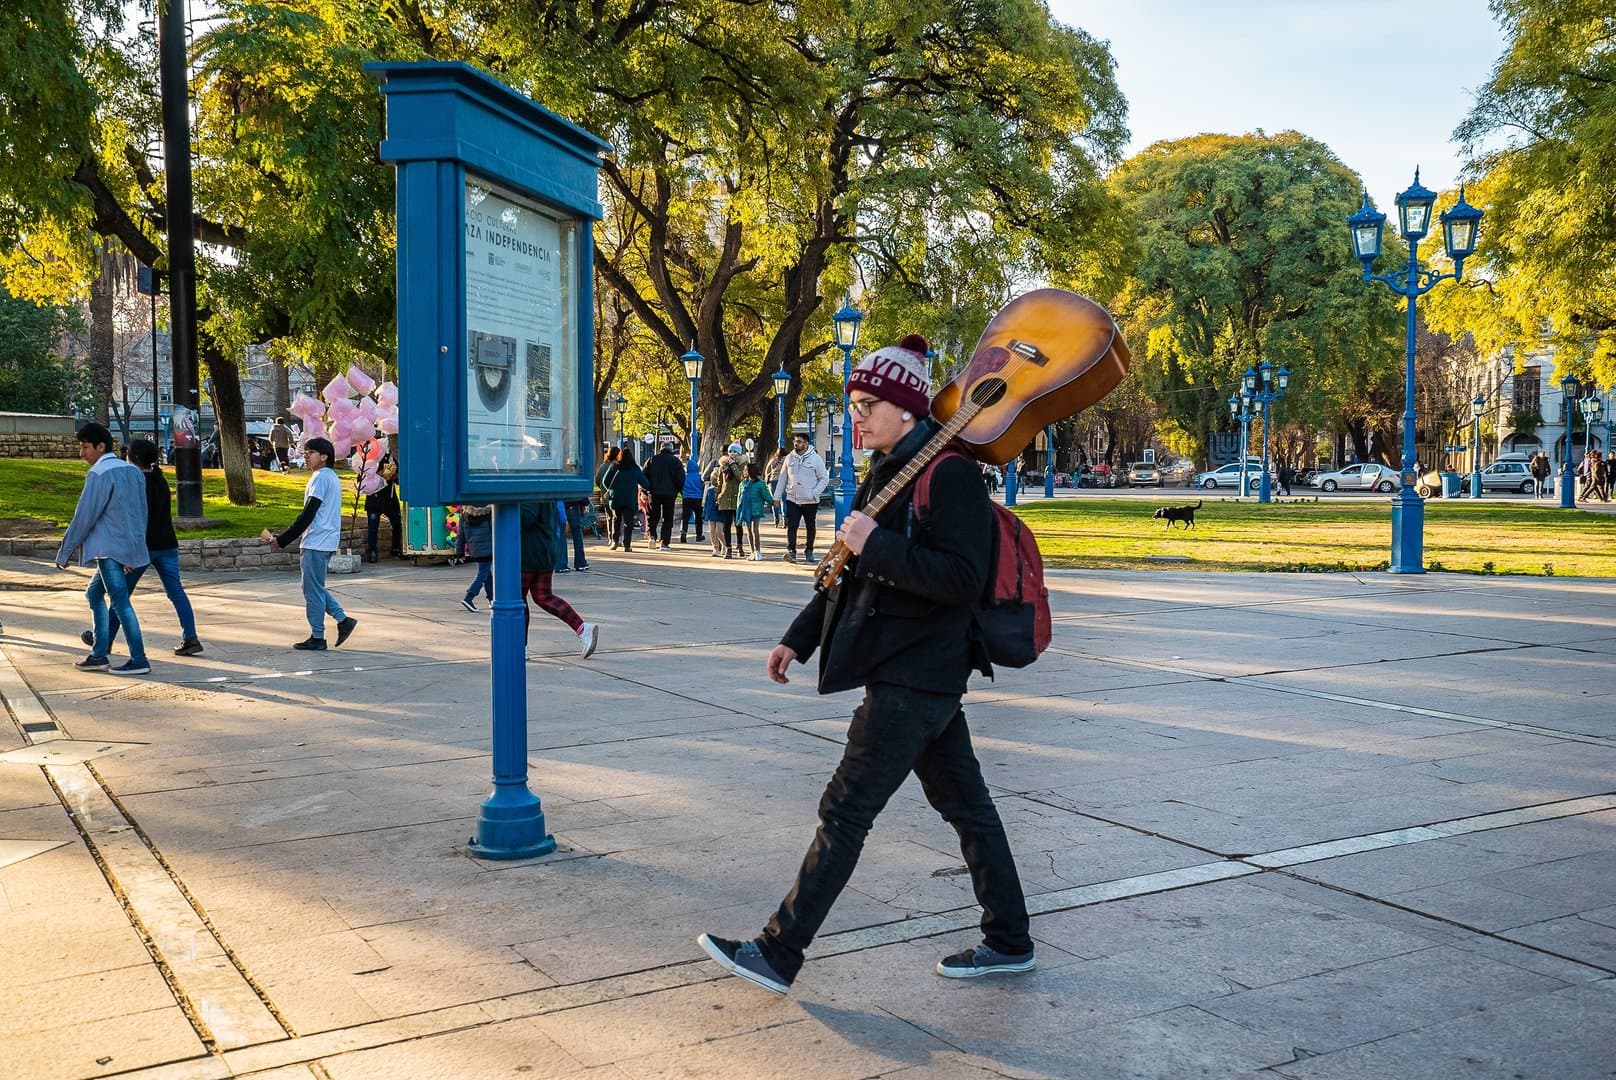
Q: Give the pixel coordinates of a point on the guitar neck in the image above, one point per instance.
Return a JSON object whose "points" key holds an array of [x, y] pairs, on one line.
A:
{"points": [[923, 457]]}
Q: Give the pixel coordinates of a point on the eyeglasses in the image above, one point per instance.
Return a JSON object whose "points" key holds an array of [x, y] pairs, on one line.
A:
{"points": [[861, 409]]}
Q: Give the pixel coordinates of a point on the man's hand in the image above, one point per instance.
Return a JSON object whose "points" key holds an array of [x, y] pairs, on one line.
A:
{"points": [[780, 658], [269, 538], [856, 529]]}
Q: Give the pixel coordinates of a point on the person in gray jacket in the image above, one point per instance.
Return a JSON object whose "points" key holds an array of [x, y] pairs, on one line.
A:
{"points": [[108, 531]]}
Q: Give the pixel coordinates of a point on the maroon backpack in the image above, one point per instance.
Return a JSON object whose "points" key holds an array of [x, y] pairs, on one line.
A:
{"points": [[1013, 611]]}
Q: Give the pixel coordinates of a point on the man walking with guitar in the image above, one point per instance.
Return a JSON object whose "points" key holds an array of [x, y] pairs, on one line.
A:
{"points": [[897, 622]]}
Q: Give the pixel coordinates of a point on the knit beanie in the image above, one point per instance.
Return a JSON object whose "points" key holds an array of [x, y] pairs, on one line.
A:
{"points": [[897, 373]]}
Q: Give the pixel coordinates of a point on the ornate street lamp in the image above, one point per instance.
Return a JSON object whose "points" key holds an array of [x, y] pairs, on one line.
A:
{"points": [[812, 402], [782, 387], [1460, 227], [1240, 413], [1568, 490], [1478, 405], [1271, 386], [847, 330], [692, 361]]}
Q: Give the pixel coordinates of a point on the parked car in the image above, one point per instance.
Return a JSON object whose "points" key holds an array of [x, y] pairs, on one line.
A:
{"points": [[1180, 473], [1506, 475], [1144, 474], [1229, 476], [1097, 476], [1365, 476]]}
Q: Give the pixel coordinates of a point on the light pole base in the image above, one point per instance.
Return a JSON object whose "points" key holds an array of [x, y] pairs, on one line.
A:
{"points": [[1408, 533], [511, 826]]}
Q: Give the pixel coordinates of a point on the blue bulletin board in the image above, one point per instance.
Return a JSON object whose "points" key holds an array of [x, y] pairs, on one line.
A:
{"points": [[496, 203]]}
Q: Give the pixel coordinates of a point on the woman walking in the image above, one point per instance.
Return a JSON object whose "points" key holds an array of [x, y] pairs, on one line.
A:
{"points": [[603, 481], [541, 554], [771, 473], [755, 504], [729, 497], [475, 543], [625, 483]]}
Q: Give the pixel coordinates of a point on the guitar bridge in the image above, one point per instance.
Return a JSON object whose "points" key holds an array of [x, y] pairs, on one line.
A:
{"points": [[1028, 351]]}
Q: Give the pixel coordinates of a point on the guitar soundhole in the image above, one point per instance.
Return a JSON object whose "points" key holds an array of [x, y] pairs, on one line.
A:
{"points": [[988, 392]]}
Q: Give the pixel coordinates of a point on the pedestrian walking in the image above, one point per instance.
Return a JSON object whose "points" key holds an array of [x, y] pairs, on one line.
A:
{"points": [[603, 474], [280, 443], [691, 504], [710, 511], [665, 479], [578, 513], [162, 551], [1539, 469], [802, 478], [474, 543], [728, 479], [771, 473], [625, 482], [1286, 475], [317, 531], [541, 553], [108, 531], [753, 506], [897, 623], [384, 503]]}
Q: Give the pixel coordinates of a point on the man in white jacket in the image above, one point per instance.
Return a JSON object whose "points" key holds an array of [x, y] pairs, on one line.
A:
{"points": [[802, 478]]}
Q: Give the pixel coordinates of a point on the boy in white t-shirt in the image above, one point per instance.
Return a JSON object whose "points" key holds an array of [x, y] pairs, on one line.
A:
{"points": [[320, 526]]}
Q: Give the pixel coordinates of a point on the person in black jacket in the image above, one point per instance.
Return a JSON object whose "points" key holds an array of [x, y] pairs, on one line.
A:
{"points": [[624, 482], [665, 478], [899, 624], [475, 543], [384, 503]]}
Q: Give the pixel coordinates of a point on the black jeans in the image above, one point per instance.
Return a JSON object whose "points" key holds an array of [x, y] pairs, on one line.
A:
{"points": [[373, 520], [690, 511], [623, 523], [661, 512], [894, 731], [803, 512]]}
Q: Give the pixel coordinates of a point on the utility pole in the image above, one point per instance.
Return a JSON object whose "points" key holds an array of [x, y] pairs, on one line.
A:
{"points": [[175, 92]]}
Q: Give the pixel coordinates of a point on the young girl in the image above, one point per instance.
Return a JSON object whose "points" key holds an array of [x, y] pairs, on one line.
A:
{"points": [[755, 504], [710, 513]]}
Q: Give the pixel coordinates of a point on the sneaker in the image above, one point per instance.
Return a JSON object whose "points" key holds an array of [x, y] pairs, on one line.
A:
{"points": [[563, 569], [469, 605], [88, 637], [581, 566], [188, 647], [984, 960], [311, 644], [92, 663], [757, 556], [130, 667], [588, 638], [663, 547], [745, 959], [790, 556], [345, 628]]}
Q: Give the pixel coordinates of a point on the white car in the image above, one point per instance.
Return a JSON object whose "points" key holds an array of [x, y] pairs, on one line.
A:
{"points": [[1365, 476], [1229, 476]]}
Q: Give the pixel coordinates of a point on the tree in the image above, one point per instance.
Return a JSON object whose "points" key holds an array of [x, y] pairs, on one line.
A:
{"points": [[1542, 135], [34, 376], [1239, 259]]}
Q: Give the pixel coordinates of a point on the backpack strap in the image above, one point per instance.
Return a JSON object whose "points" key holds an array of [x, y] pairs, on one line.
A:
{"points": [[922, 499]]}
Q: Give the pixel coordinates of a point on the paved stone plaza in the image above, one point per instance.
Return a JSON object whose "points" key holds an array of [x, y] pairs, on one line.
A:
{"points": [[1300, 826]]}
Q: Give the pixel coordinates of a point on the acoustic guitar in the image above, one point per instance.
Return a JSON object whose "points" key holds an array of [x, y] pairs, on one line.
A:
{"points": [[1048, 355]]}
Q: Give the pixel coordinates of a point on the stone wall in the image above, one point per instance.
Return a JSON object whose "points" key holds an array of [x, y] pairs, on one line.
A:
{"points": [[33, 435], [208, 553]]}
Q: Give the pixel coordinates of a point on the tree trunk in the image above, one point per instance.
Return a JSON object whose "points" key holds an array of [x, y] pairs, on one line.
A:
{"points": [[281, 376], [101, 335], [230, 411]]}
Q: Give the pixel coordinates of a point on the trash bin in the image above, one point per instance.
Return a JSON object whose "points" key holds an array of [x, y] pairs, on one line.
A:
{"points": [[1450, 485]]}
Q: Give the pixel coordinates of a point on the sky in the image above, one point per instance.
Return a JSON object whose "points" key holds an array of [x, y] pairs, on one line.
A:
{"points": [[1383, 83]]}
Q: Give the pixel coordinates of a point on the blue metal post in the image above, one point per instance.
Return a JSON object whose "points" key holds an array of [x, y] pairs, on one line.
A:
{"points": [[844, 498], [510, 824], [1245, 443], [1475, 458], [1568, 481], [1010, 482], [1408, 509], [780, 404], [1049, 462], [1263, 492], [694, 468]]}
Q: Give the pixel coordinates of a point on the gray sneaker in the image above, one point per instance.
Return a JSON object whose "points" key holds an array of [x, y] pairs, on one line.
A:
{"points": [[745, 959], [984, 960]]}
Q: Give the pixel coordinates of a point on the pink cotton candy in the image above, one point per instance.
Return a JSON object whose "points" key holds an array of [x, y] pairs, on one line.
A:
{"points": [[387, 395], [389, 425], [337, 390], [362, 383], [305, 408], [361, 430]]}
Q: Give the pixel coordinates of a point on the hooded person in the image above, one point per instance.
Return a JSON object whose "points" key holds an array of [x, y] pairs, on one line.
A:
{"points": [[898, 623]]}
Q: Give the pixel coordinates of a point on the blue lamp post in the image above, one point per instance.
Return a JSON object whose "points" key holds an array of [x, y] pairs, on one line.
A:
{"points": [[1478, 405], [1240, 413], [782, 387], [1569, 390], [1049, 461], [1591, 407], [1459, 226], [692, 361], [847, 329], [1271, 386], [812, 402]]}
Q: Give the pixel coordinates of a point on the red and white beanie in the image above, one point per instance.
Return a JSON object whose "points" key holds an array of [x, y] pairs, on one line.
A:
{"points": [[897, 373]]}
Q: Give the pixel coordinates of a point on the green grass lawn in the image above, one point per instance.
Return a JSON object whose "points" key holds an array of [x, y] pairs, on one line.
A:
{"points": [[37, 499], [1474, 537]]}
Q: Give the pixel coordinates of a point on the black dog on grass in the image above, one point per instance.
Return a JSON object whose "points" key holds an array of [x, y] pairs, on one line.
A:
{"points": [[1186, 514]]}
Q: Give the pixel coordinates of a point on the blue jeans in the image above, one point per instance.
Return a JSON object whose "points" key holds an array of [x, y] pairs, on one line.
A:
{"points": [[484, 581], [167, 565], [112, 585], [575, 526], [317, 601]]}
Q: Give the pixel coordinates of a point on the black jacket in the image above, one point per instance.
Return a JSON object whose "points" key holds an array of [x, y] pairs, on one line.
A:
{"points": [[665, 473], [902, 613], [159, 516]]}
